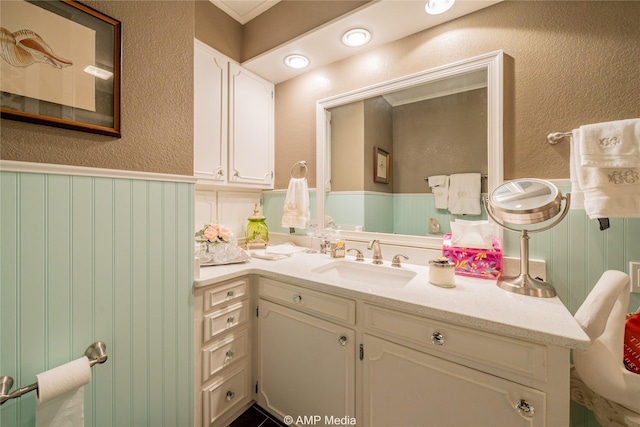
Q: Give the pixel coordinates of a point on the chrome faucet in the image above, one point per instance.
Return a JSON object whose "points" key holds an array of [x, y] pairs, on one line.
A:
{"points": [[377, 252]]}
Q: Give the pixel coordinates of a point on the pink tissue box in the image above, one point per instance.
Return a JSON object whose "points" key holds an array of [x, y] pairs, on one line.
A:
{"points": [[474, 262]]}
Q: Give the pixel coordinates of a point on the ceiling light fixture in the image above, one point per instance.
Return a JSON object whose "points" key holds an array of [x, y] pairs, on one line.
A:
{"points": [[356, 37], [434, 7], [296, 61]]}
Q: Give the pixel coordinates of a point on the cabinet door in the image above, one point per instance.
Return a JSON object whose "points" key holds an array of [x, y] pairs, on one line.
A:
{"points": [[250, 128], [404, 387], [306, 365], [209, 113]]}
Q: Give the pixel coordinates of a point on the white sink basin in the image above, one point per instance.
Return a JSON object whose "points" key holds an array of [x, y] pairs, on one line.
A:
{"points": [[367, 273]]}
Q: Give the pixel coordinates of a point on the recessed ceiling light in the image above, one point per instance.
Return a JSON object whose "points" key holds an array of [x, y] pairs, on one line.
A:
{"points": [[356, 37], [435, 7], [296, 61]]}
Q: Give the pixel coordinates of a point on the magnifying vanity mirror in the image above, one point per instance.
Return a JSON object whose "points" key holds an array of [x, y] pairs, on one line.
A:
{"points": [[526, 201], [397, 210]]}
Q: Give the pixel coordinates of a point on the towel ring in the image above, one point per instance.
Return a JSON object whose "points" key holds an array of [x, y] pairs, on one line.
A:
{"points": [[303, 168]]}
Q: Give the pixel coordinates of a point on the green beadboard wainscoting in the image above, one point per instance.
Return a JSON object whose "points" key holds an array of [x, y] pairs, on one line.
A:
{"points": [[93, 258]]}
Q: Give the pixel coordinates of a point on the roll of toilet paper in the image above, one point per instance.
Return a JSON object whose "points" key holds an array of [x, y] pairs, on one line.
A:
{"points": [[63, 379]]}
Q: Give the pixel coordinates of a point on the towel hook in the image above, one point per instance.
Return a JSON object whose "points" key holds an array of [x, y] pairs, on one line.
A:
{"points": [[303, 168]]}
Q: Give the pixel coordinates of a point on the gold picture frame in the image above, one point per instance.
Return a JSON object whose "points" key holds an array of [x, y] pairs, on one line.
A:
{"points": [[381, 166], [63, 66]]}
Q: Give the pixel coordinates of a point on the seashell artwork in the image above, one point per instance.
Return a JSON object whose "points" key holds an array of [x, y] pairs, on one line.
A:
{"points": [[24, 47]]}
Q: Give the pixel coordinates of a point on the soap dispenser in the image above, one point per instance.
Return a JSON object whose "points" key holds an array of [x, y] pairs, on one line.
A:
{"points": [[337, 247], [257, 231]]}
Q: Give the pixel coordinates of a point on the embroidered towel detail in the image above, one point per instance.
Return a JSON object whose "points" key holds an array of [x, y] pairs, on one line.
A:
{"points": [[611, 144], [296, 204], [464, 194], [440, 191]]}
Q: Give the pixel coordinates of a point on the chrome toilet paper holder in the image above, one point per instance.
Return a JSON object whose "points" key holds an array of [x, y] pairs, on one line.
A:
{"points": [[96, 353]]}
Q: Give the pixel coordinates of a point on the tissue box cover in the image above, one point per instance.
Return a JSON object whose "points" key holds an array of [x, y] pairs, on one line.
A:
{"points": [[474, 262]]}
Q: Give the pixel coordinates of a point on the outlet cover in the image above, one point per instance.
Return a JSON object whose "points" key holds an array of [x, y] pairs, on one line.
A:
{"points": [[634, 272]]}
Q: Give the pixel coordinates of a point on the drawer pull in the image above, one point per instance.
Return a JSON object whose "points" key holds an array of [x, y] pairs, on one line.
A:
{"points": [[437, 338], [230, 395], [229, 354], [297, 299], [231, 294], [342, 340], [231, 319], [525, 409]]}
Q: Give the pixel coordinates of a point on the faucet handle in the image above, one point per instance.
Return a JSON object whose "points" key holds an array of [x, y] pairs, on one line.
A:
{"points": [[359, 256], [396, 260]]}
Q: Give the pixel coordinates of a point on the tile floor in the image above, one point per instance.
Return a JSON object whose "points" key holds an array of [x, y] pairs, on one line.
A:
{"points": [[255, 416]]}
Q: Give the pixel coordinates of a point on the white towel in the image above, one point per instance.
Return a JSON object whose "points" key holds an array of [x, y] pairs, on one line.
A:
{"points": [[440, 191], [438, 180], [611, 144], [612, 192], [464, 194], [577, 196], [296, 204]]}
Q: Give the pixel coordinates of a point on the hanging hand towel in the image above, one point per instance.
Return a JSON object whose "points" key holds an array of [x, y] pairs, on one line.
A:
{"points": [[577, 196], [607, 192], [611, 144], [440, 189], [464, 194], [296, 204]]}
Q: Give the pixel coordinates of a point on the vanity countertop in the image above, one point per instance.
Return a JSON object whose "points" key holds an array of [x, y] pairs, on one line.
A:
{"points": [[477, 303]]}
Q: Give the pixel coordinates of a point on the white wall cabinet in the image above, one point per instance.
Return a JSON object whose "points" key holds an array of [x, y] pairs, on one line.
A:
{"points": [[233, 123], [306, 364]]}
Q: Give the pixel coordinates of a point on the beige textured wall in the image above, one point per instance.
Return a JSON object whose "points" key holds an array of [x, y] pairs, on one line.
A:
{"points": [[347, 147], [218, 30], [439, 136], [378, 132], [573, 63], [157, 99]]}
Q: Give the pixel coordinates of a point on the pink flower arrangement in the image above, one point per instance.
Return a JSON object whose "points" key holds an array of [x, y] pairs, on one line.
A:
{"points": [[215, 233]]}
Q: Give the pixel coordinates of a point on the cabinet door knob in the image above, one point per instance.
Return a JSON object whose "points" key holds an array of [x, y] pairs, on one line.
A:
{"points": [[231, 294], [229, 354], [230, 319], [230, 395], [342, 340], [524, 408], [297, 299], [437, 338]]}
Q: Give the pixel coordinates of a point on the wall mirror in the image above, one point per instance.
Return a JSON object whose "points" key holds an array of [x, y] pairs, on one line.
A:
{"points": [[440, 121]]}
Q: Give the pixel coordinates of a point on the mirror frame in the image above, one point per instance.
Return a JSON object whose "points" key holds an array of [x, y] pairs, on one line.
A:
{"points": [[492, 62]]}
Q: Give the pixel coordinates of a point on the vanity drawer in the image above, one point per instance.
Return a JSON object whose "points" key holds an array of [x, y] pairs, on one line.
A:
{"points": [[226, 351], [319, 303], [489, 350], [228, 292], [226, 394], [224, 319]]}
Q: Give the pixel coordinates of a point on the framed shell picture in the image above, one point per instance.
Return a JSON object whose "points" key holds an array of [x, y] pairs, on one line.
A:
{"points": [[60, 65], [381, 165]]}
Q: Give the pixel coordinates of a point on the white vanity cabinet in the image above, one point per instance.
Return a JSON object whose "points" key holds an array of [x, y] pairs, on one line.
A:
{"points": [[233, 123], [222, 348], [306, 352], [418, 371]]}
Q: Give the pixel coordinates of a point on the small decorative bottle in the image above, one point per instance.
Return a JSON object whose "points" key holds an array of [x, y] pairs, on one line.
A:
{"points": [[257, 231]]}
